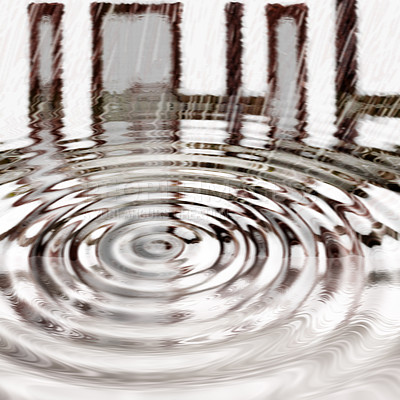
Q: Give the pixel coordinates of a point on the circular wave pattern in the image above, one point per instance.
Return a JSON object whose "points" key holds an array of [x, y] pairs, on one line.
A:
{"points": [[209, 262]]}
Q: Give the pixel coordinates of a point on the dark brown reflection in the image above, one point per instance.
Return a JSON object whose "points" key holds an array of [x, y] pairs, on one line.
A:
{"points": [[346, 64], [45, 62], [287, 75], [234, 15], [136, 59]]}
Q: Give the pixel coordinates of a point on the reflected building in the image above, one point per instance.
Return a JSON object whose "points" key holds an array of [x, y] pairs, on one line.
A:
{"points": [[136, 61], [136, 74]]}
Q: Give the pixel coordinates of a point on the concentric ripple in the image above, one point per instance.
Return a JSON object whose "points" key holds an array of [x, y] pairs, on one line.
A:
{"points": [[201, 264]]}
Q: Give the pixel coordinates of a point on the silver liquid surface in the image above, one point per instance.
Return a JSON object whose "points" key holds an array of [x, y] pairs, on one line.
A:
{"points": [[159, 264]]}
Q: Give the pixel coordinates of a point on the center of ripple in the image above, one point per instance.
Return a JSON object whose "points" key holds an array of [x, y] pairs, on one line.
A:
{"points": [[158, 247]]}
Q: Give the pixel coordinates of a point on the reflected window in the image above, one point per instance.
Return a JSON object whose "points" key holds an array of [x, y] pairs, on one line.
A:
{"points": [[137, 52]]}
